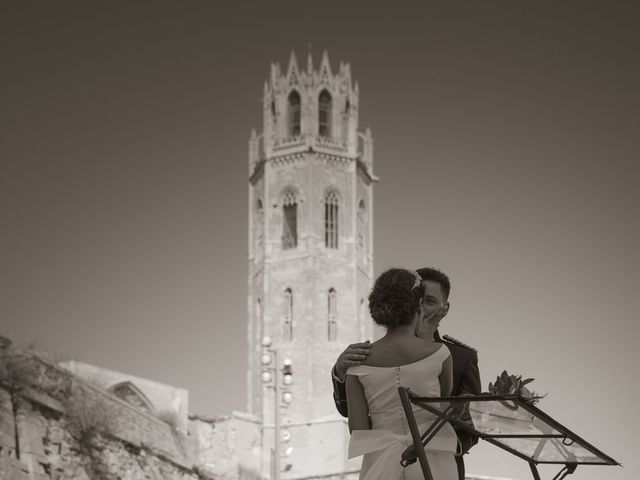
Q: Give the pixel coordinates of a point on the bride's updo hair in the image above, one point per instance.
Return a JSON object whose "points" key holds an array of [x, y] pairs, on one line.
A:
{"points": [[395, 297]]}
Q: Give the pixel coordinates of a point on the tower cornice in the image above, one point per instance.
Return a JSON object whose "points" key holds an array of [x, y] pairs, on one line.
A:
{"points": [[301, 156], [330, 157], [320, 155], [287, 159]]}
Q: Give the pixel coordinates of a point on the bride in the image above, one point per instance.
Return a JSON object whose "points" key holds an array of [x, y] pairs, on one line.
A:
{"points": [[377, 422]]}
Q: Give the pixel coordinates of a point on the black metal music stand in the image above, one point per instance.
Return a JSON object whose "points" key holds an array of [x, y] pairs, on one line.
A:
{"points": [[506, 421]]}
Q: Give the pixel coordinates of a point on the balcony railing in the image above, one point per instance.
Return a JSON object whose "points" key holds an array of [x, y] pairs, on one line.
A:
{"points": [[288, 143], [317, 142], [330, 144]]}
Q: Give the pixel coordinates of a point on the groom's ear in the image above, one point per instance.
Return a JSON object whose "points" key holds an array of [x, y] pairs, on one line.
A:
{"points": [[445, 309]]}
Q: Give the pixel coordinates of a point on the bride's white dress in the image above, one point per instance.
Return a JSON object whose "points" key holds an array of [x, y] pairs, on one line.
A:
{"points": [[382, 446]]}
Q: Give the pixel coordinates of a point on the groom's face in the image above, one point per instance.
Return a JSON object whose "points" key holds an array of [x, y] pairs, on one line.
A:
{"points": [[434, 302]]}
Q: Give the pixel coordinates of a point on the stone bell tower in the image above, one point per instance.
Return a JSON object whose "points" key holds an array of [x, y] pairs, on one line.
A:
{"points": [[310, 239]]}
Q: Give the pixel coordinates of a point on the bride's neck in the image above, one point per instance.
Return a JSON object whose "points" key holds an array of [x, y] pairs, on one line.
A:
{"points": [[401, 331]]}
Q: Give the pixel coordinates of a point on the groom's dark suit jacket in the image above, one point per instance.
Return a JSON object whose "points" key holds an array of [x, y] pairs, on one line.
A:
{"points": [[466, 379]]}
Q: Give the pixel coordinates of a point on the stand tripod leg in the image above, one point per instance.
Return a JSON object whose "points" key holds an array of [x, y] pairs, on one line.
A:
{"points": [[415, 434], [566, 470], [569, 468], [534, 471]]}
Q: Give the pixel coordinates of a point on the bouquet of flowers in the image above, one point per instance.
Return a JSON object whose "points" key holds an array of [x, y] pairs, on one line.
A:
{"points": [[507, 384]]}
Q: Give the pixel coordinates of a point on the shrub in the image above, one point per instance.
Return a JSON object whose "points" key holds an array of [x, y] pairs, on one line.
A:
{"points": [[88, 417], [17, 373]]}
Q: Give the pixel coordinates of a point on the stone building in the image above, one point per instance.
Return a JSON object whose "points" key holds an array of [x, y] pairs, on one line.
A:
{"points": [[310, 250]]}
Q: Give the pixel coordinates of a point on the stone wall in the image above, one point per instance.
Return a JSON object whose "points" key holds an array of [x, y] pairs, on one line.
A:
{"points": [[229, 446], [56, 426], [318, 446], [237, 447]]}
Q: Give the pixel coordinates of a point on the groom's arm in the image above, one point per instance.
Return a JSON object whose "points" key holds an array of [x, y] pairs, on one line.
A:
{"points": [[339, 393], [470, 384], [446, 377], [470, 381], [353, 355]]}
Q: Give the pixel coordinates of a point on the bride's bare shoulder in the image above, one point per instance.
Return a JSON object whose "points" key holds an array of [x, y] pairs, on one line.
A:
{"points": [[429, 346]]}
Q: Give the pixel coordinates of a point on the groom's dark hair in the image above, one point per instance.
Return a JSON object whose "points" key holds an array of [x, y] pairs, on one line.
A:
{"points": [[435, 275]]}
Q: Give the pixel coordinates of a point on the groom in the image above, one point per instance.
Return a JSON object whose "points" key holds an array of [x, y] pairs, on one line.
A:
{"points": [[466, 377]]}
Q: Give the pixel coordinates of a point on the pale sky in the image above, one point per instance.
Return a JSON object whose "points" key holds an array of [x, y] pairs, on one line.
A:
{"points": [[506, 142]]}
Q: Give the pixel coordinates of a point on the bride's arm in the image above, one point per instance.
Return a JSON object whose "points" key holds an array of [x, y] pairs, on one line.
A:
{"points": [[358, 410], [446, 377]]}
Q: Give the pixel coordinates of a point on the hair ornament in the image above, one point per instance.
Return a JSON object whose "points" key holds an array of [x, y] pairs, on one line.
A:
{"points": [[418, 281]]}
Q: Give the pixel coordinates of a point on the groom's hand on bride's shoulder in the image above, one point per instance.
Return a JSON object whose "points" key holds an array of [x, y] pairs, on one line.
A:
{"points": [[353, 355]]}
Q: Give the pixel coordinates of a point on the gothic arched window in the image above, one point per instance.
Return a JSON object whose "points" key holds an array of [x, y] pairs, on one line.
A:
{"points": [[287, 325], [289, 220], [361, 223], [131, 394], [324, 114], [259, 322], [294, 114], [332, 314], [259, 223], [331, 219]]}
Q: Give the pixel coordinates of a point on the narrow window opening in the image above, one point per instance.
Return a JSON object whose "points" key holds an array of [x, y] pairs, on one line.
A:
{"points": [[294, 114], [324, 114], [332, 313], [287, 332], [259, 322], [331, 220], [289, 221]]}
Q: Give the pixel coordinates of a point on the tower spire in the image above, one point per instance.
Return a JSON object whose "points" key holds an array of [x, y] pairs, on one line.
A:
{"points": [[325, 66], [309, 60], [293, 63]]}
